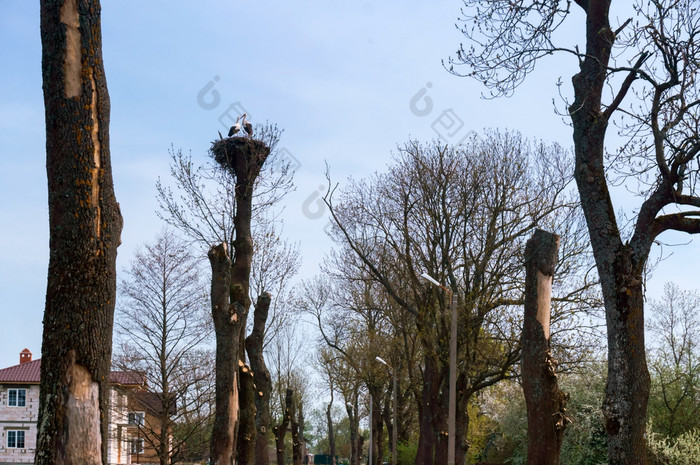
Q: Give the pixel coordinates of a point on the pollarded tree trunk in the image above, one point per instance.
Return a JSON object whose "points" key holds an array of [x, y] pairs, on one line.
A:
{"points": [[243, 157], [546, 413], [302, 427], [296, 434], [619, 265], [247, 434], [85, 227], [223, 438], [281, 429], [261, 376]]}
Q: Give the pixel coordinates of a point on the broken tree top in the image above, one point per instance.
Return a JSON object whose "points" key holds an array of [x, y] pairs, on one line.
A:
{"points": [[243, 156]]}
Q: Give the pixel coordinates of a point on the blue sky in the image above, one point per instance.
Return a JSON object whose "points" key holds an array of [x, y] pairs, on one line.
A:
{"points": [[339, 77]]}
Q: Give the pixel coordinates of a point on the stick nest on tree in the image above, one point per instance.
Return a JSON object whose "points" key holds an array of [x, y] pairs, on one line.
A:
{"points": [[242, 156]]}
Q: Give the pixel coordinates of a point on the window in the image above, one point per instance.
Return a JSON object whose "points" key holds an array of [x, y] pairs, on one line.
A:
{"points": [[137, 446], [17, 397], [136, 418], [15, 439]]}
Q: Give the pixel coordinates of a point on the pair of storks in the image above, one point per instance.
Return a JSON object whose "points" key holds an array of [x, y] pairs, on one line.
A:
{"points": [[247, 127]]}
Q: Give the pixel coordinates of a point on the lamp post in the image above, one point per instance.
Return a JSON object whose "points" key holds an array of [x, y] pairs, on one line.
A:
{"points": [[394, 431], [452, 408]]}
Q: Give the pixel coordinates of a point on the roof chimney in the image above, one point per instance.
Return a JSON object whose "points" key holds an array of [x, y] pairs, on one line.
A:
{"points": [[25, 356]]}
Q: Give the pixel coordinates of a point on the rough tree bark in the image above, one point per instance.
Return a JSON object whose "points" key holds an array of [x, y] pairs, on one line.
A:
{"points": [[85, 227], [331, 433], [302, 427], [355, 437], [247, 434], [226, 326], [546, 413], [261, 376], [280, 430], [243, 157], [296, 433], [620, 266]]}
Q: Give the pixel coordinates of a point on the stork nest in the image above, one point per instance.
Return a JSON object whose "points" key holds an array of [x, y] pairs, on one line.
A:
{"points": [[242, 156]]}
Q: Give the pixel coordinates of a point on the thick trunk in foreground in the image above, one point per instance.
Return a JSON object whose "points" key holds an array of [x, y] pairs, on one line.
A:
{"points": [[261, 376], [546, 418], [243, 158], [85, 227]]}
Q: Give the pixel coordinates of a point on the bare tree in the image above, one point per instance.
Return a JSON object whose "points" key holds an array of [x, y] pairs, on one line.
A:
{"points": [[85, 227], [674, 324], [640, 75], [461, 215], [324, 363], [290, 382], [162, 328]]}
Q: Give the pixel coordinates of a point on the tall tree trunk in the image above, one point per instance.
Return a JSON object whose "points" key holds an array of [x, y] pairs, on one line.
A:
{"points": [[302, 428], [355, 438], [85, 227], [387, 414], [243, 157], [619, 265], [378, 427], [261, 376], [223, 438], [331, 433], [546, 418], [433, 419], [296, 433], [462, 420], [281, 429], [247, 434]]}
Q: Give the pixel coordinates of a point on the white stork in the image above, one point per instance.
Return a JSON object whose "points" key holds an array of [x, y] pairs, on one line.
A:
{"points": [[236, 127], [247, 126]]}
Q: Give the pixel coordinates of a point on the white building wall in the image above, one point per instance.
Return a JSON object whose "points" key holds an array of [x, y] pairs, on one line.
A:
{"points": [[19, 418], [25, 418], [117, 446]]}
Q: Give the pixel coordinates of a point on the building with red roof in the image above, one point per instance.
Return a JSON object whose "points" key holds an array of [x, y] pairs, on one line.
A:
{"points": [[19, 408]]}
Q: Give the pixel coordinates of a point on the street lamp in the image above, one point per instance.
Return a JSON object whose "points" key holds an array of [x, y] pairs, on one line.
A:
{"points": [[452, 408], [394, 431]]}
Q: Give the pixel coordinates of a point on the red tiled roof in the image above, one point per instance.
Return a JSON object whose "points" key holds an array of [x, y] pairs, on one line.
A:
{"points": [[29, 373], [127, 378], [26, 373]]}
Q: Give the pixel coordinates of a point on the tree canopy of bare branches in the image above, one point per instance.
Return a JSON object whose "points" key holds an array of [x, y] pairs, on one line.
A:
{"points": [[639, 75], [163, 331], [462, 215]]}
